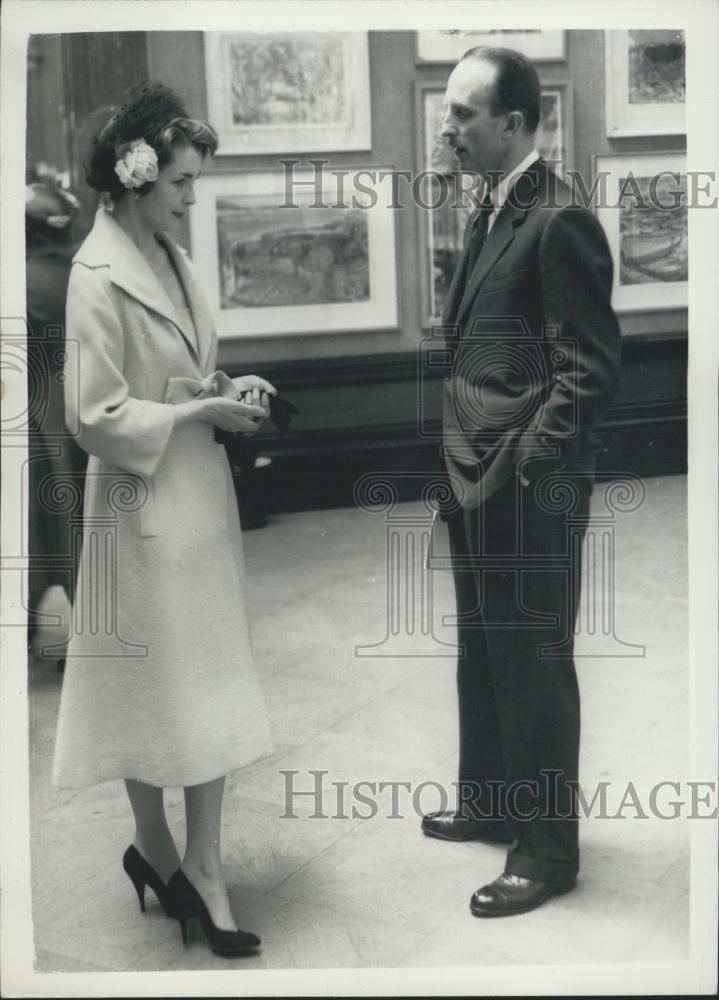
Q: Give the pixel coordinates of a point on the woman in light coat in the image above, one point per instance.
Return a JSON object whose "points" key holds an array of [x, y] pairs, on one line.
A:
{"points": [[160, 688]]}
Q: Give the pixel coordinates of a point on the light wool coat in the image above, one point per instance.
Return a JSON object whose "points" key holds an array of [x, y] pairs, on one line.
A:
{"points": [[159, 682]]}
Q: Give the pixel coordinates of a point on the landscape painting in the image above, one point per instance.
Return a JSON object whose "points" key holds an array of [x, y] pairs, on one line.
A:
{"points": [[268, 257], [270, 267], [652, 237], [644, 214]]}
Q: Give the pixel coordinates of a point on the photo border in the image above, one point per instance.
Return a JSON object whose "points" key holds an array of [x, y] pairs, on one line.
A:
{"points": [[694, 975]]}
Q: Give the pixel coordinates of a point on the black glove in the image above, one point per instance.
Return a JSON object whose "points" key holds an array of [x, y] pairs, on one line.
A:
{"points": [[281, 412]]}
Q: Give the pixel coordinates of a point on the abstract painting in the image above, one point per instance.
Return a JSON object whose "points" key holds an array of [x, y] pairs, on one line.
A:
{"points": [[283, 92], [645, 74]]}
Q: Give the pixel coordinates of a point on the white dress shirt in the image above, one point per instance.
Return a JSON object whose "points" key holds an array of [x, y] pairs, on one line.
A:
{"points": [[500, 191]]}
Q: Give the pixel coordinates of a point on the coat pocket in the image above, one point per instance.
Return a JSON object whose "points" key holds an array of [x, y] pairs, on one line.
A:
{"points": [[510, 279]]}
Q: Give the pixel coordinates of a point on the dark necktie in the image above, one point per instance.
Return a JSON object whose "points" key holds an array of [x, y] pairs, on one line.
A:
{"points": [[476, 240], [479, 233]]}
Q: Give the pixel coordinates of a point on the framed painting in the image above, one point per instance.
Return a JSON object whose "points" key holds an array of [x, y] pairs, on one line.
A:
{"points": [[555, 135], [286, 92], [645, 82], [450, 46], [553, 139], [643, 209], [279, 263], [442, 226]]}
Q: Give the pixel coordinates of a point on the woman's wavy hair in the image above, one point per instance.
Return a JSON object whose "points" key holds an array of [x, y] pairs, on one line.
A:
{"points": [[154, 113]]}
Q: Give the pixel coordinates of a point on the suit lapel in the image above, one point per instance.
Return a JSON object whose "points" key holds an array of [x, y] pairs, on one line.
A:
{"points": [[109, 244], [510, 216], [454, 292], [499, 238]]}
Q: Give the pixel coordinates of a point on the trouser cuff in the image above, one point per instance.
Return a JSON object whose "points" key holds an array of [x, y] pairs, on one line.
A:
{"points": [[561, 873]]}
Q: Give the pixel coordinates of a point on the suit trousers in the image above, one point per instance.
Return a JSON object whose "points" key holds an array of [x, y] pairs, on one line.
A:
{"points": [[516, 563]]}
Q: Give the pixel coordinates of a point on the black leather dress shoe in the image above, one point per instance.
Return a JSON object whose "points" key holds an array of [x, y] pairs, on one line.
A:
{"points": [[452, 826], [510, 894]]}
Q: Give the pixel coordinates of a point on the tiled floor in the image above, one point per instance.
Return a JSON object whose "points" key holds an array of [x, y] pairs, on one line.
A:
{"points": [[353, 892]]}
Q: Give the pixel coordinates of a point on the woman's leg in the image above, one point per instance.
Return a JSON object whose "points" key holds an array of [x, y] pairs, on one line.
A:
{"points": [[152, 835], [202, 863]]}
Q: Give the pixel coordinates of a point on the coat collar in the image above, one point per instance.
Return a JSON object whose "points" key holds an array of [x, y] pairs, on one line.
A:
{"points": [[109, 245], [510, 216]]}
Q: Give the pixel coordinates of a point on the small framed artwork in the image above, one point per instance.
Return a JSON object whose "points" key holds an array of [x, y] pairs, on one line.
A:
{"points": [[450, 46], [645, 82], [291, 256], [643, 209], [442, 226], [287, 92], [555, 136]]}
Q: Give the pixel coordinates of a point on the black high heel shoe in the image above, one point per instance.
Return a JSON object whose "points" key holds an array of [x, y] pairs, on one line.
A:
{"points": [[188, 903], [141, 874]]}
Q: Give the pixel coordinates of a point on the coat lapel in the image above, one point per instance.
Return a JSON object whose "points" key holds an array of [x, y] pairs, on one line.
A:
{"points": [[201, 315], [109, 244], [511, 215]]}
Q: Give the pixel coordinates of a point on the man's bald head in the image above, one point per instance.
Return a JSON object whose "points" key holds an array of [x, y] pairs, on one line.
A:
{"points": [[515, 84]]}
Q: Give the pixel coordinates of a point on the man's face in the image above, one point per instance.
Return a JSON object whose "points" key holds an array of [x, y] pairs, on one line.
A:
{"points": [[470, 129]]}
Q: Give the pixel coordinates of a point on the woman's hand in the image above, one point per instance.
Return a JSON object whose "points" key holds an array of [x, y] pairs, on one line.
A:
{"points": [[255, 391], [246, 383], [228, 414], [232, 415]]}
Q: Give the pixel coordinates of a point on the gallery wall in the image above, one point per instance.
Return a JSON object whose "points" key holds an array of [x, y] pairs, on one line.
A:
{"points": [[358, 391]]}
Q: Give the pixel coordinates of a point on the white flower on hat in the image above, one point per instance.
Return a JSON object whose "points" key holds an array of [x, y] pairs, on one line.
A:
{"points": [[137, 164]]}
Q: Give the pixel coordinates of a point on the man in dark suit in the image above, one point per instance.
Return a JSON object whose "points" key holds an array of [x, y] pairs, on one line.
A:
{"points": [[534, 353], [51, 219]]}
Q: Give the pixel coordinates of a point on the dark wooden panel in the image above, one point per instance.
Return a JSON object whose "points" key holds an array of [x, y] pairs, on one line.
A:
{"points": [[318, 463], [103, 65], [322, 471], [46, 121], [99, 68]]}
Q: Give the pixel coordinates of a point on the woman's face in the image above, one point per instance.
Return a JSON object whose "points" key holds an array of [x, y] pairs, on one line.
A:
{"points": [[173, 192]]}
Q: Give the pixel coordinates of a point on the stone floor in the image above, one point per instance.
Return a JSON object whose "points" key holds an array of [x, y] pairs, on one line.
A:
{"points": [[356, 892]]}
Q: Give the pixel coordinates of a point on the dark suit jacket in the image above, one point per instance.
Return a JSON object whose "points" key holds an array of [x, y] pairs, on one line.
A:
{"points": [[54, 450], [534, 342]]}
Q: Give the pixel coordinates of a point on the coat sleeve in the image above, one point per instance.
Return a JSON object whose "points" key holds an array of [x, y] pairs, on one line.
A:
{"points": [[129, 433], [576, 279]]}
